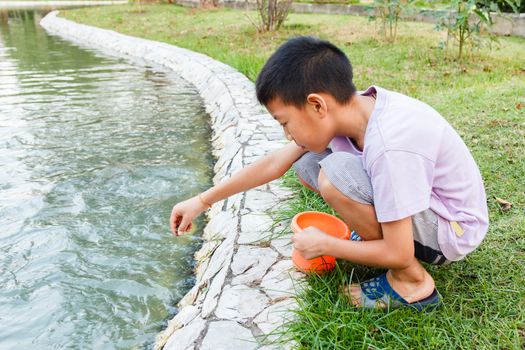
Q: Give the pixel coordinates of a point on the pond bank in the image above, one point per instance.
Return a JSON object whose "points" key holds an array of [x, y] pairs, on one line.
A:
{"points": [[244, 277]]}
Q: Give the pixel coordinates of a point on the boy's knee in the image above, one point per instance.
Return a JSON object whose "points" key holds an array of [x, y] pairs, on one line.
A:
{"points": [[327, 190]]}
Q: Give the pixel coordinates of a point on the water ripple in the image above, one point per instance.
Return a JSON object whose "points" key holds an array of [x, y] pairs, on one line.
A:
{"points": [[93, 153]]}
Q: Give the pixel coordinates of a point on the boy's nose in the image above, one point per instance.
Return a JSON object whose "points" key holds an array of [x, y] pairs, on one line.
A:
{"points": [[288, 136]]}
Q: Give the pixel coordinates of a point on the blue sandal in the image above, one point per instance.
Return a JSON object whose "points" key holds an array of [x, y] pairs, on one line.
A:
{"points": [[377, 293], [354, 236]]}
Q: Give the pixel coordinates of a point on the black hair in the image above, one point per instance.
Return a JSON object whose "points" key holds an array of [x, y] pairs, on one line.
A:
{"points": [[305, 65]]}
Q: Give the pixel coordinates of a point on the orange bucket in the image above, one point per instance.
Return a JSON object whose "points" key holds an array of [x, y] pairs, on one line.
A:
{"points": [[326, 223]]}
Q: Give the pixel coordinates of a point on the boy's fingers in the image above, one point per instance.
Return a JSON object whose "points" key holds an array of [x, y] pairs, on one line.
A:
{"points": [[183, 227], [175, 223]]}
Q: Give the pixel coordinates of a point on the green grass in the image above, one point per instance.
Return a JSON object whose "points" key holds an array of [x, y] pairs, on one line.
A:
{"points": [[481, 97]]}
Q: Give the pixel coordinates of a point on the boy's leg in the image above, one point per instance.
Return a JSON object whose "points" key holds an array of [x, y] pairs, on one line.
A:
{"points": [[307, 169], [413, 283], [358, 216], [348, 190]]}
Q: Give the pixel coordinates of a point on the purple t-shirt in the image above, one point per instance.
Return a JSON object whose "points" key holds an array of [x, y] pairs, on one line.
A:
{"points": [[416, 161]]}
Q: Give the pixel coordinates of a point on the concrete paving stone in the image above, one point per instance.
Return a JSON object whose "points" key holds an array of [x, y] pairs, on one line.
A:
{"points": [[244, 211], [276, 137], [236, 164], [229, 152], [255, 223], [280, 191], [245, 135], [216, 208], [254, 150], [200, 269], [274, 316], [259, 137], [190, 297], [260, 201], [253, 237], [228, 335], [282, 280], [240, 303], [184, 338], [288, 345], [251, 263], [230, 116], [221, 257], [283, 246], [269, 122], [226, 103], [183, 317], [254, 228], [212, 296], [207, 249], [234, 205], [220, 226]]}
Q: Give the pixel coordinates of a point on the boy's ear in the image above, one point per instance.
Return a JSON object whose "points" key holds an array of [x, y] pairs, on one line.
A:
{"points": [[317, 102]]}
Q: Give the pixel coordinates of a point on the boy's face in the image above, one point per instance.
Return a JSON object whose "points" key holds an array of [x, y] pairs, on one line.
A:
{"points": [[307, 126]]}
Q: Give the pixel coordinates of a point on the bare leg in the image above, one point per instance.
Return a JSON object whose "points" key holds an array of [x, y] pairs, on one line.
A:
{"points": [[360, 217], [413, 282], [305, 184]]}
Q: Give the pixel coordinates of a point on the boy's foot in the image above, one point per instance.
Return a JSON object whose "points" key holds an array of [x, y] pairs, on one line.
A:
{"points": [[354, 236], [379, 293]]}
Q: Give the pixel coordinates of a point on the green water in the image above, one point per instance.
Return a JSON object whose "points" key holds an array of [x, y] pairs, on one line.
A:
{"points": [[94, 151]]}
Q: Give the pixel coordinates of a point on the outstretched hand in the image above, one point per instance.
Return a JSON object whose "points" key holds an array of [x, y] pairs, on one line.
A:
{"points": [[311, 242], [183, 214]]}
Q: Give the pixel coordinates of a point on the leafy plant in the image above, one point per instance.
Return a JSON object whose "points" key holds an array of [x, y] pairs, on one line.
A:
{"points": [[389, 12], [467, 19]]}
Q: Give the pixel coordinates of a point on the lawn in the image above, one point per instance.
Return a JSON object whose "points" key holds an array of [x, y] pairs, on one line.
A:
{"points": [[483, 97]]}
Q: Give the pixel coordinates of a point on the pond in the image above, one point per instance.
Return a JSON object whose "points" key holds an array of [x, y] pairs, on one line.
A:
{"points": [[94, 151]]}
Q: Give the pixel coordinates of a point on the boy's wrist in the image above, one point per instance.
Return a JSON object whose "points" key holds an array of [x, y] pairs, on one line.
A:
{"points": [[327, 247], [204, 201]]}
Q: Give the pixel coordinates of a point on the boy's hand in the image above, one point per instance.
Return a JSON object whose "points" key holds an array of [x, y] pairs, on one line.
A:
{"points": [[183, 214], [311, 242]]}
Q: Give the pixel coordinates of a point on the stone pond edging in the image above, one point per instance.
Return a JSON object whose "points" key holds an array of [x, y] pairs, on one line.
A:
{"points": [[245, 280]]}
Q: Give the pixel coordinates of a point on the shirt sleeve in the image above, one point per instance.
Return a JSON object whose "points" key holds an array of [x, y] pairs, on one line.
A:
{"points": [[402, 184]]}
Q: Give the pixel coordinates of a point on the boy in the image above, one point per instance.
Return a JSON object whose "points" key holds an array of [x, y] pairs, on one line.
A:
{"points": [[394, 170]]}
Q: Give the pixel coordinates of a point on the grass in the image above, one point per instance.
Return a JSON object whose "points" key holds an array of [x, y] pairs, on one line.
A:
{"points": [[483, 97]]}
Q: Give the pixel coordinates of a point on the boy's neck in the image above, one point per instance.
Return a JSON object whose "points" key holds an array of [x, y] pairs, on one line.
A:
{"points": [[352, 118]]}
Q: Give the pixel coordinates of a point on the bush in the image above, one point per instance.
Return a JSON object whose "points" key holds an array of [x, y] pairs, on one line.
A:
{"points": [[389, 13], [272, 14]]}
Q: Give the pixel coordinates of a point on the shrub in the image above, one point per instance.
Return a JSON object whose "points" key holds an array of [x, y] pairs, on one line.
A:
{"points": [[467, 19], [272, 14], [389, 12]]}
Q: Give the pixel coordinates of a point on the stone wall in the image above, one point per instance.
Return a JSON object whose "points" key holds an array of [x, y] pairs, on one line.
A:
{"points": [[245, 280], [504, 23]]}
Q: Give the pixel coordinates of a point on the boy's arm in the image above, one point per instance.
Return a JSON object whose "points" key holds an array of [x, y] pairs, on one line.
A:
{"points": [[395, 250], [264, 170]]}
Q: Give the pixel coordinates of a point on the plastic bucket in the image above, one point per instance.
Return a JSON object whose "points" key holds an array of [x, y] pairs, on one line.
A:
{"points": [[326, 223]]}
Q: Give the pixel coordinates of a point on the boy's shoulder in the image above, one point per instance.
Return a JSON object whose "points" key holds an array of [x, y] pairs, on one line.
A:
{"points": [[402, 123]]}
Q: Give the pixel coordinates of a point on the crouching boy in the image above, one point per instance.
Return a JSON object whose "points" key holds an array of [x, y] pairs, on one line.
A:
{"points": [[391, 166]]}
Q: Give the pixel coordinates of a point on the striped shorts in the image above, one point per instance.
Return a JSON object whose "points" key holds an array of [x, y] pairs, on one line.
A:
{"points": [[345, 172]]}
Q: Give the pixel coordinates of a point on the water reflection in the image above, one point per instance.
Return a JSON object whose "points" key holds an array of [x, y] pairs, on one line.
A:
{"points": [[93, 153]]}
